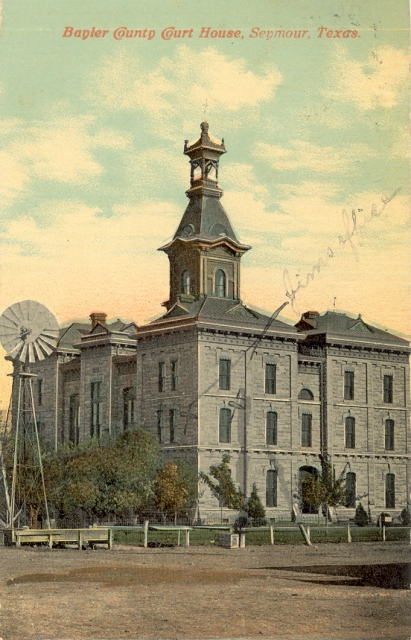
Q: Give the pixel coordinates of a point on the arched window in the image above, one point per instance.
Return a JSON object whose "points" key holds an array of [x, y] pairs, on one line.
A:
{"points": [[271, 427], [129, 407], [220, 283], [305, 394], [186, 282], [350, 490], [350, 432], [225, 425], [390, 491], [389, 435], [271, 488]]}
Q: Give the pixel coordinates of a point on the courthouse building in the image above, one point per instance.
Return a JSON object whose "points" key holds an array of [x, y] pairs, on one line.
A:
{"points": [[212, 375]]}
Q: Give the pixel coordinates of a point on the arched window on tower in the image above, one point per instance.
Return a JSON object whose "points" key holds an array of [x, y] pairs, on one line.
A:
{"points": [[186, 282], [305, 394], [220, 284]]}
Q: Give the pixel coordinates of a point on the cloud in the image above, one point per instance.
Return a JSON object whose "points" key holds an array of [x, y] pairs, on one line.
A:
{"points": [[177, 87], [378, 81], [304, 155], [59, 150]]}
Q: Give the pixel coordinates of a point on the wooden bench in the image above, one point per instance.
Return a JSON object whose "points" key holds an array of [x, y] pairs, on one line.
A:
{"points": [[81, 537]]}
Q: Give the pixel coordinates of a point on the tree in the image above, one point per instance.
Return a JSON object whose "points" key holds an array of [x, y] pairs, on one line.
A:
{"points": [[254, 506], [361, 517], [222, 486], [324, 490], [170, 492], [108, 476]]}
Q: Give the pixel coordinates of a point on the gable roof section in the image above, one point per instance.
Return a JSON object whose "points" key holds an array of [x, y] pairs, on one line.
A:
{"points": [[334, 323]]}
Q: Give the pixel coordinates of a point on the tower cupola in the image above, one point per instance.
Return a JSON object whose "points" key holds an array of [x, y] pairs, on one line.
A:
{"points": [[204, 253]]}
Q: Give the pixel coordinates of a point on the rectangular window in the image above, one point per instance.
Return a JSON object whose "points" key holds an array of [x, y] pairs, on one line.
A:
{"points": [[389, 435], [350, 433], [173, 375], [74, 418], [351, 490], [306, 425], [225, 425], [129, 407], [225, 374], [39, 392], [271, 427], [161, 376], [348, 385], [390, 491], [388, 388], [160, 425], [173, 425], [271, 488], [270, 378], [96, 409]]}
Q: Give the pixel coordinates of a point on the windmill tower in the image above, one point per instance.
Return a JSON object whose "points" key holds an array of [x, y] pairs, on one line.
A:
{"points": [[29, 333]]}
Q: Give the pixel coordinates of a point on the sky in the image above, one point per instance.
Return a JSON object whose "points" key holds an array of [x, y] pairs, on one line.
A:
{"points": [[316, 175]]}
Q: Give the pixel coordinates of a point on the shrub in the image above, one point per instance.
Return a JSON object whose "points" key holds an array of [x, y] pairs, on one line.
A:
{"points": [[405, 517], [361, 517]]}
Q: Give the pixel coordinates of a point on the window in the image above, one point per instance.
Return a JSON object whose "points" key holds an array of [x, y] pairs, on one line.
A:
{"points": [[220, 283], [186, 282], [270, 378], [160, 425], [388, 387], [173, 375], [39, 392], [271, 427], [348, 385], [306, 424], [225, 425], [350, 433], [161, 376], [389, 435], [390, 491], [225, 374], [173, 425], [129, 407], [74, 411], [305, 394], [350, 490], [96, 409], [271, 488]]}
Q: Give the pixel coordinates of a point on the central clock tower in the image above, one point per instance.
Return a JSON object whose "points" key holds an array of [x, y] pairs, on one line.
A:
{"points": [[204, 253]]}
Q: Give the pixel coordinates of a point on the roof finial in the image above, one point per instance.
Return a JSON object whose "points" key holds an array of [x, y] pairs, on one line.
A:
{"points": [[204, 127]]}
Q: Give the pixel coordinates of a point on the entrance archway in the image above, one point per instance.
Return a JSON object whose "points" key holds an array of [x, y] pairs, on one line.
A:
{"points": [[304, 474]]}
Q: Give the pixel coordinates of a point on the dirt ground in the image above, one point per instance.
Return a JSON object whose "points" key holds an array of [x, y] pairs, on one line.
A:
{"points": [[325, 591]]}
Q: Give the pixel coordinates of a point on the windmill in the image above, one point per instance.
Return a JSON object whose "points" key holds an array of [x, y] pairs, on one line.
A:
{"points": [[29, 334]]}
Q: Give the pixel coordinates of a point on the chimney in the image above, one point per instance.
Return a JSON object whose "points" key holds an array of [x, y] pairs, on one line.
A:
{"points": [[97, 317]]}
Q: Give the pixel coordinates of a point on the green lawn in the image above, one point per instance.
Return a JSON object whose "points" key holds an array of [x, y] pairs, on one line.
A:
{"points": [[318, 535]]}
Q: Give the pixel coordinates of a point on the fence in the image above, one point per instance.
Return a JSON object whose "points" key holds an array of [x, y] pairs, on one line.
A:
{"points": [[207, 535]]}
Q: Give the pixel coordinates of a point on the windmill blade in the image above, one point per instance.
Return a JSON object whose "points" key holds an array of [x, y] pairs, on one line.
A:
{"points": [[23, 354], [50, 341], [39, 352], [31, 353], [7, 323], [44, 346], [19, 310], [10, 315], [16, 348], [51, 333]]}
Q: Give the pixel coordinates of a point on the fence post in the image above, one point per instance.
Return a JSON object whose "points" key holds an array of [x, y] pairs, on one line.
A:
{"points": [[349, 539], [80, 540], [187, 537], [383, 532], [242, 540], [178, 538], [305, 534], [271, 534], [145, 533]]}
